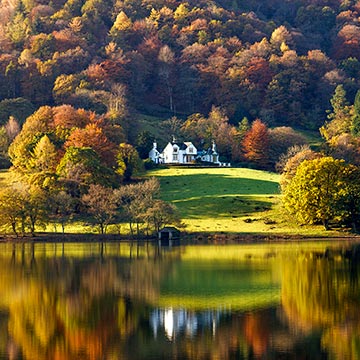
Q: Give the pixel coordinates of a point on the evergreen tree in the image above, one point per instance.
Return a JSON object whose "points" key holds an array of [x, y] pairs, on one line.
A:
{"points": [[355, 126]]}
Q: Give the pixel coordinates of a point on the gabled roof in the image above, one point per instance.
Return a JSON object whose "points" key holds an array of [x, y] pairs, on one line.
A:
{"points": [[169, 228]]}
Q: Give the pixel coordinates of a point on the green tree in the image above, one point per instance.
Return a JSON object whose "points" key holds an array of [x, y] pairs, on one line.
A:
{"points": [[318, 191], [340, 117], [128, 160], [144, 143], [355, 125], [81, 167], [18, 29]]}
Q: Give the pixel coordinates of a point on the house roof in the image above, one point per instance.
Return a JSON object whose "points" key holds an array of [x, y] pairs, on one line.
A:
{"points": [[169, 229]]}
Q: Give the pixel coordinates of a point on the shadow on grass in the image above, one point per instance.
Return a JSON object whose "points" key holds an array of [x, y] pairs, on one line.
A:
{"points": [[207, 195], [221, 207]]}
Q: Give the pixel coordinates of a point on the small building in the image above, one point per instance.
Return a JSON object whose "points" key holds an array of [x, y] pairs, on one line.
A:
{"points": [[168, 236], [154, 154], [210, 155]]}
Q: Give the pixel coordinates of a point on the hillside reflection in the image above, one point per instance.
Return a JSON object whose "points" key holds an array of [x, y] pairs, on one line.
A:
{"points": [[123, 301]]}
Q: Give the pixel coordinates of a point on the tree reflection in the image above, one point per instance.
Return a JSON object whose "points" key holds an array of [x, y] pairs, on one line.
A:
{"points": [[61, 308], [321, 294], [100, 306]]}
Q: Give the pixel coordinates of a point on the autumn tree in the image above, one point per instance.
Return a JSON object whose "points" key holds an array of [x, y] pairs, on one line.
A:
{"points": [[22, 208], [93, 136], [318, 191], [80, 167], [61, 207], [136, 202], [290, 161], [256, 144], [36, 125], [162, 213], [281, 139], [12, 128], [11, 211], [43, 163], [166, 60], [100, 203]]}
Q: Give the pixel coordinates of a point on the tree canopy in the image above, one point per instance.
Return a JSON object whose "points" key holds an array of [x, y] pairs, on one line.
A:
{"points": [[323, 190]]}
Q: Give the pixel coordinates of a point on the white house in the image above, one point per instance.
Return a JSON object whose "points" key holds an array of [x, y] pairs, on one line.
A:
{"points": [[210, 155], [154, 154], [179, 154], [185, 153]]}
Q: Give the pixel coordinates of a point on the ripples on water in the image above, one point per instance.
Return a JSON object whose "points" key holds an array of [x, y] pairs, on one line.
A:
{"points": [[131, 301]]}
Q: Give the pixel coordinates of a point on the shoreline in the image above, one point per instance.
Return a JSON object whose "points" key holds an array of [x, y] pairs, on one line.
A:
{"points": [[201, 238]]}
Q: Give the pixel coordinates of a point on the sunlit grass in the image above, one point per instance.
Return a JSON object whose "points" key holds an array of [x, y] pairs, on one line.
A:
{"points": [[231, 200], [218, 199]]}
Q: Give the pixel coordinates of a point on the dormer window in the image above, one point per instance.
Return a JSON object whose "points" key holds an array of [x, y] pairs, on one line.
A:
{"points": [[175, 149]]}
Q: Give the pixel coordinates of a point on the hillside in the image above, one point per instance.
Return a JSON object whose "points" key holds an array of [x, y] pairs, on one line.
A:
{"points": [[230, 200], [274, 60]]}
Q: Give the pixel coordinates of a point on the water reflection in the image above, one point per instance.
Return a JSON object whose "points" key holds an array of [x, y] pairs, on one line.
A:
{"points": [[133, 301]]}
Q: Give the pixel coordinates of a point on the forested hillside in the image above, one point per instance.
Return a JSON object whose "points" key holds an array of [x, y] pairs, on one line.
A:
{"points": [[276, 60], [86, 86]]}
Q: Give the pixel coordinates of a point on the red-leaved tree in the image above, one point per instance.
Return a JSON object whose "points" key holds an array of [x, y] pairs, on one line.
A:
{"points": [[256, 144]]}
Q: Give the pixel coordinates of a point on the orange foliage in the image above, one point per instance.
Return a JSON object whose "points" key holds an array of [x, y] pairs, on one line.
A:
{"points": [[257, 334], [256, 143], [347, 43], [92, 136], [68, 117], [259, 72], [66, 39]]}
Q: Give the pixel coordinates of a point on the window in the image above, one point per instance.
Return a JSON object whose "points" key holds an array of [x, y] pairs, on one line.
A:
{"points": [[175, 157], [191, 149]]}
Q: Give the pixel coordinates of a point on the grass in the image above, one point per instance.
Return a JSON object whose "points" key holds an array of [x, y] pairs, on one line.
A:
{"points": [[231, 200], [216, 200]]}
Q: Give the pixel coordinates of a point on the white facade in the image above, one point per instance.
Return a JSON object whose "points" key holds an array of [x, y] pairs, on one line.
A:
{"points": [[186, 153], [154, 154]]}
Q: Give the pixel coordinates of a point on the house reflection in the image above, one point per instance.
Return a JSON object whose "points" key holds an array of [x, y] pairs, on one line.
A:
{"points": [[179, 321]]}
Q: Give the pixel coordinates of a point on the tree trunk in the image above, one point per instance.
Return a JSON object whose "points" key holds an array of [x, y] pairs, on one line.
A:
{"points": [[326, 224]]}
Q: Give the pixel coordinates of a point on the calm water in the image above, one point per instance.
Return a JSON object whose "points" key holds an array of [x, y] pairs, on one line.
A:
{"points": [[123, 301]]}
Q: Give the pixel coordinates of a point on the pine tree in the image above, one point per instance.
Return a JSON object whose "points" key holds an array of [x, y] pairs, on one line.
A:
{"points": [[355, 125]]}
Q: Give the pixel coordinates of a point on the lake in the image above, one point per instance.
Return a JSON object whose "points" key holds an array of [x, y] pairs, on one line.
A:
{"points": [[138, 301]]}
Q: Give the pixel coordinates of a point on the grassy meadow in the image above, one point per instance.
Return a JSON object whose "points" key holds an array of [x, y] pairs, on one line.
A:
{"points": [[215, 200], [231, 200]]}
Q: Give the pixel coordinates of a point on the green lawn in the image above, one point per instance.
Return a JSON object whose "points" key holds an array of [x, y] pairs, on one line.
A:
{"points": [[233, 200]]}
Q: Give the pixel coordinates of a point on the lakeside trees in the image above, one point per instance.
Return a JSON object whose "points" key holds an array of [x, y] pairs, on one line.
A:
{"points": [[69, 162], [324, 190], [243, 75], [323, 187]]}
